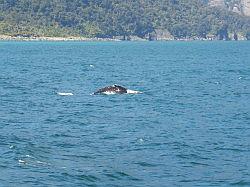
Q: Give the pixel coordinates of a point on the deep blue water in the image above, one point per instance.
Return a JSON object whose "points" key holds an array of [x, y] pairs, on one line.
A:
{"points": [[190, 127]]}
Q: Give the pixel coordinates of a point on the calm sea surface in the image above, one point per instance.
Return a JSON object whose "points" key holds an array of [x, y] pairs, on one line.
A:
{"points": [[190, 127]]}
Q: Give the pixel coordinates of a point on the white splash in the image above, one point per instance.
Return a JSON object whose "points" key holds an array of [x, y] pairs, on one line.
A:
{"points": [[141, 140], [91, 65], [29, 156], [21, 161], [133, 92], [65, 93]]}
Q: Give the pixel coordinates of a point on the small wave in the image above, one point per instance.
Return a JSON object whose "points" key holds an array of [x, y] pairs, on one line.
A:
{"points": [[65, 93], [241, 183], [119, 175], [145, 164], [89, 178], [40, 162]]}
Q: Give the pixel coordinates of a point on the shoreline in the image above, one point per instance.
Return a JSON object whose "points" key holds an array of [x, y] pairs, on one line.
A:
{"points": [[84, 39], [55, 39]]}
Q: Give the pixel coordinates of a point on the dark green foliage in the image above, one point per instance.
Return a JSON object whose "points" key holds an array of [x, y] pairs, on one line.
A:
{"points": [[248, 35], [108, 18], [222, 33]]}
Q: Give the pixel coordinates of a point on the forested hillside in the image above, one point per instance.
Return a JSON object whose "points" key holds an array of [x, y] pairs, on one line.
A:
{"points": [[110, 18]]}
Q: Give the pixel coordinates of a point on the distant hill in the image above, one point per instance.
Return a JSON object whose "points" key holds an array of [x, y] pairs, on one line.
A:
{"points": [[238, 6], [150, 19]]}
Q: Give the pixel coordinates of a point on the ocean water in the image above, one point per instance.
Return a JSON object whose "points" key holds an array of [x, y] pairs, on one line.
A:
{"points": [[189, 127]]}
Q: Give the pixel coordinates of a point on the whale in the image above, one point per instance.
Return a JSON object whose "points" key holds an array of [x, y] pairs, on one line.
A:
{"points": [[115, 89]]}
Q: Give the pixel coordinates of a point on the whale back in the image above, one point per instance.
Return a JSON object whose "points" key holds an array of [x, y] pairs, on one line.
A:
{"points": [[111, 89]]}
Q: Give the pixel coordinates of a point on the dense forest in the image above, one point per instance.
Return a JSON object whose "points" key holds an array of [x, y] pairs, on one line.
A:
{"points": [[110, 18]]}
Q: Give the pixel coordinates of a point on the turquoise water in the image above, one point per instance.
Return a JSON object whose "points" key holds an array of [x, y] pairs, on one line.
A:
{"points": [[190, 127]]}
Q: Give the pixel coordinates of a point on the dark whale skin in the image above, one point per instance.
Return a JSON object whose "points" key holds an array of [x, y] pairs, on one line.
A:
{"points": [[114, 88]]}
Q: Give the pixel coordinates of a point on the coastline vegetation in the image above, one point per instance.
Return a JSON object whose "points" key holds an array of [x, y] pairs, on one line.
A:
{"points": [[178, 19]]}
